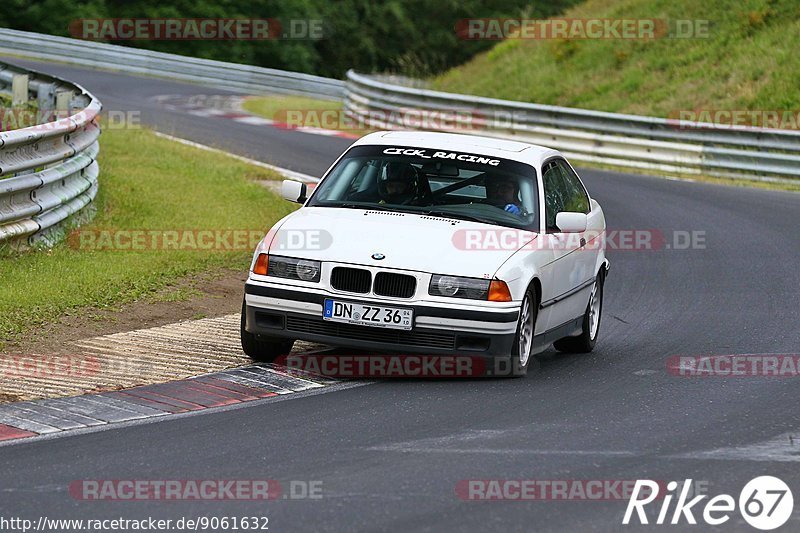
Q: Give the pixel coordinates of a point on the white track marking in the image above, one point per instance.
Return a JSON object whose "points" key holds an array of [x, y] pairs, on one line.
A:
{"points": [[290, 174]]}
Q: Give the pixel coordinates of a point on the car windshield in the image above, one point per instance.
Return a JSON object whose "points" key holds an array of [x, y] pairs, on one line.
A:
{"points": [[457, 185]]}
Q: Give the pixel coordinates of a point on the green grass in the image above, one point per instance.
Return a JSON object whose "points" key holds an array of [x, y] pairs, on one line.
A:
{"points": [[161, 185], [750, 61], [302, 111], [275, 107]]}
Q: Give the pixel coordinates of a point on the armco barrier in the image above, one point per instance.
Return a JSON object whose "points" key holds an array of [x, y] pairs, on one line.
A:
{"points": [[48, 171], [608, 138], [231, 76], [622, 140]]}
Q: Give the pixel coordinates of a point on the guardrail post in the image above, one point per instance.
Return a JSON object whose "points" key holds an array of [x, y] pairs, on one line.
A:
{"points": [[63, 103], [80, 100], [19, 90], [46, 101]]}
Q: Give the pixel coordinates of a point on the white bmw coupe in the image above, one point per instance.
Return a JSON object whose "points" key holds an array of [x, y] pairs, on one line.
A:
{"points": [[433, 243]]}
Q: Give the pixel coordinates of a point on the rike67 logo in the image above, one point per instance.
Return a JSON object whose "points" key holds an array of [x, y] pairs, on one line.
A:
{"points": [[765, 503]]}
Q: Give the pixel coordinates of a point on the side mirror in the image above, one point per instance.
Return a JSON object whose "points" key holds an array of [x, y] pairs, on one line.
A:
{"points": [[568, 222], [294, 191]]}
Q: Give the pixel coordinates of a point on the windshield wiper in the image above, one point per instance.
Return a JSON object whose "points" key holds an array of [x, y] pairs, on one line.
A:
{"points": [[459, 216], [368, 207]]}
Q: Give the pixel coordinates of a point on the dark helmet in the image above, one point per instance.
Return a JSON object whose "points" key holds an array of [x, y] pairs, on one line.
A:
{"points": [[493, 185], [402, 177]]}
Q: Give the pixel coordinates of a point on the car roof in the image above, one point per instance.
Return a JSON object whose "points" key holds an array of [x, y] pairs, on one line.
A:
{"points": [[502, 148]]}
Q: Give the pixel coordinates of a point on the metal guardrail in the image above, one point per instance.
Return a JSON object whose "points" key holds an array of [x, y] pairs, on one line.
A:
{"points": [[219, 74], [619, 140], [48, 172], [592, 136]]}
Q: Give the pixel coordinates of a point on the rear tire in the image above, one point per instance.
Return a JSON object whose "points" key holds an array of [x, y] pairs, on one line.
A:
{"points": [[584, 343], [259, 348]]}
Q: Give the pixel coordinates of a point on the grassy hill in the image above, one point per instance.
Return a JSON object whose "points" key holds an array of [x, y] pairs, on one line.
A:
{"points": [[750, 60]]}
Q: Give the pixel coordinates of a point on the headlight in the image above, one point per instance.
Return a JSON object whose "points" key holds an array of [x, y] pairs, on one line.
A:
{"points": [[308, 270], [453, 287], [288, 267]]}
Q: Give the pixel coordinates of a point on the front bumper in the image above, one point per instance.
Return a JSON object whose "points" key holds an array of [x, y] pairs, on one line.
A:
{"points": [[288, 312]]}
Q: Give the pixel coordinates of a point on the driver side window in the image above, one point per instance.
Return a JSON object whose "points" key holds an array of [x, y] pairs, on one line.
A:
{"points": [[555, 194], [576, 201]]}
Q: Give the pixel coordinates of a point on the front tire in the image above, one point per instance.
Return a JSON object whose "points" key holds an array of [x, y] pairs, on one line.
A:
{"points": [[521, 351], [584, 343], [259, 348]]}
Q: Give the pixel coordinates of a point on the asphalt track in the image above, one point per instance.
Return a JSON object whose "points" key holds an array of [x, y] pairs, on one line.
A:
{"points": [[389, 454]]}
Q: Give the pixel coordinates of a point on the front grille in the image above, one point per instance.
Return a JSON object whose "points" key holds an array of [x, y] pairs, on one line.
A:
{"points": [[395, 285], [351, 280], [367, 333]]}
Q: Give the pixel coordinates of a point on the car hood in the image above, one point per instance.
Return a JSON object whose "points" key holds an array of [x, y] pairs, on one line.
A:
{"points": [[407, 241]]}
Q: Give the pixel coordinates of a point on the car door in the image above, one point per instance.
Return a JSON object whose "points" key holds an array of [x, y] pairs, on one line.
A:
{"points": [[591, 241], [564, 274]]}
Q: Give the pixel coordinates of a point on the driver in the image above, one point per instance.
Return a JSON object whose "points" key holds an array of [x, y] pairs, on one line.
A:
{"points": [[398, 183], [504, 193]]}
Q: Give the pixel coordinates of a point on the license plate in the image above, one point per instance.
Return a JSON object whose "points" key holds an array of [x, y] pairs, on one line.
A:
{"points": [[368, 315]]}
